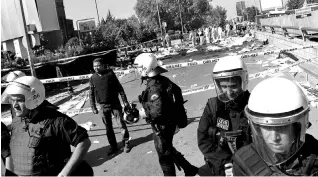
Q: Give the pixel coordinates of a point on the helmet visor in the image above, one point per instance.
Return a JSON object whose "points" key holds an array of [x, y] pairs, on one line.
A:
{"points": [[228, 88], [276, 144], [15, 88]]}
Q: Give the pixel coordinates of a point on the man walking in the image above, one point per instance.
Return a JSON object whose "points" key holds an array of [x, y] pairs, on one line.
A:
{"points": [[105, 87]]}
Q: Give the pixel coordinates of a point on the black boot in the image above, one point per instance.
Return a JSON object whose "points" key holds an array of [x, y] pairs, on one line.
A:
{"points": [[189, 170]]}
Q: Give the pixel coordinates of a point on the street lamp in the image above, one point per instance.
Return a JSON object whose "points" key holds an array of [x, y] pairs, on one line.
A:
{"points": [[26, 35], [180, 16], [159, 17], [97, 13]]}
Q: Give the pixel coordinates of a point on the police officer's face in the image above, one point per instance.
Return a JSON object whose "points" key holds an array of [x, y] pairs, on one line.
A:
{"points": [[18, 104], [278, 139], [98, 67], [232, 87]]}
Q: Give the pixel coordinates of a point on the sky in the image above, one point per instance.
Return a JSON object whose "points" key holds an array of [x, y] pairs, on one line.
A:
{"points": [[82, 9]]}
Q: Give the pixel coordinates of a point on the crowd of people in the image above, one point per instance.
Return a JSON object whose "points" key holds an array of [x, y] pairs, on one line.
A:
{"points": [[240, 133]]}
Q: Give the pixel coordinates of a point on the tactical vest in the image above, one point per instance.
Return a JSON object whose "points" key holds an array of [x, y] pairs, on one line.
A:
{"points": [[35, 150], [27, 150], [228, 121]]}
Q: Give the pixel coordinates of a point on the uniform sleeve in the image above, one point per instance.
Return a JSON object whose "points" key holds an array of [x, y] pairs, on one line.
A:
{"points": [[70, 131], [5, 141], [120, 89], [92, 93], [207, 139]]}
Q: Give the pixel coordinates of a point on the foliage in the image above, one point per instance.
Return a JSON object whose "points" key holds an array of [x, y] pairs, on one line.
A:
{"points": [[294, 4], [195, 13]]}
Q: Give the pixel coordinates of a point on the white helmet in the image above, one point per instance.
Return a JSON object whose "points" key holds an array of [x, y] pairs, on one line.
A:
{"points": [[278, 105], [230, 69], [29, 86], [14, 75], [11, 76], [148, 65]]}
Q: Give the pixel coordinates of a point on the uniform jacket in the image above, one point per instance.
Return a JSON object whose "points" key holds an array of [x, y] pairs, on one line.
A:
{"points": [[40, 143], [105, 89], [215, 122], [299, 165], [5, 141], [156, 101]]}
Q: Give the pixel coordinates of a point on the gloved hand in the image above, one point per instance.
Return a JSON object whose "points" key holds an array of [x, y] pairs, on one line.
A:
{"points": [[228, 169], [127, 107], [94, 110]]}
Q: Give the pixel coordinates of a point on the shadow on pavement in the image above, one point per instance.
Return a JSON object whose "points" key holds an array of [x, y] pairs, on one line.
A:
{"points": [[141, 140], [99, 156]]}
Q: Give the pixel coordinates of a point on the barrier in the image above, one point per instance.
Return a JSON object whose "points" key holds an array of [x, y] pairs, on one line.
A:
{"points": [[170, 66], [205, 87]]}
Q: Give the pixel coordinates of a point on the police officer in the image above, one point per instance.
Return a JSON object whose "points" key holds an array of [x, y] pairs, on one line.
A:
{"points": [[278, 111], [223, 127], [105, 87], [41, 136], [11, 76], [159, 110]]}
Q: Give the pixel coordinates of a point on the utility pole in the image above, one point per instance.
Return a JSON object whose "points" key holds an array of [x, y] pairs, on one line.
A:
{"points": [[26, 35], [180, 16], [159, 18], [97, 13], [260, 5]]}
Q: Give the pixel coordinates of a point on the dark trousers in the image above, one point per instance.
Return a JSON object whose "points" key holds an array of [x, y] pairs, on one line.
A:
{"points": [[167, 154], [107, 119]]}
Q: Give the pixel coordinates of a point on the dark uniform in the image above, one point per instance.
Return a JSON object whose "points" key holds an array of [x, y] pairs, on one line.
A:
{"points": [[5, 141], [159, 110], [105, 89], [247, 162], [223, 128], [40, 143]]}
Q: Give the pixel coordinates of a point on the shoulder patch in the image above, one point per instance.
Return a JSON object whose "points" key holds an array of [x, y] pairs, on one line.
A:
{"points": [[154, 97], [222, 123]]}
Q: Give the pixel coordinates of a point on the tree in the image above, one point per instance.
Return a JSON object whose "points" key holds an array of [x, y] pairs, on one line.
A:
{"points": [[193, 13], [251, 13], [294, 4]]}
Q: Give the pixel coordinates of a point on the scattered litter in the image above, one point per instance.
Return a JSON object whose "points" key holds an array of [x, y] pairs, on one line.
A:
{"points": [[194, 85], [174, 75], [149, 152], [87, 125]]}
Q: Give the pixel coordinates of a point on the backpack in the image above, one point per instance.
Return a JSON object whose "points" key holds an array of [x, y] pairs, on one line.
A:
{"points": [[175, 95]]}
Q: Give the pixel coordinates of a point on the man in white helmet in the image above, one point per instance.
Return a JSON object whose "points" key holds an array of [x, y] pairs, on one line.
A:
{"points": [[11, 76], [41, 136], [278, 112], [223, 127], [162, 112]]}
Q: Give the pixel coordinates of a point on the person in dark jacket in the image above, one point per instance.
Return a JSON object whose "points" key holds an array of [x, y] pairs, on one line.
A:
{"points": [[223, 127], [41, 136], [159, 109], [278, 111], [105, 88]]}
